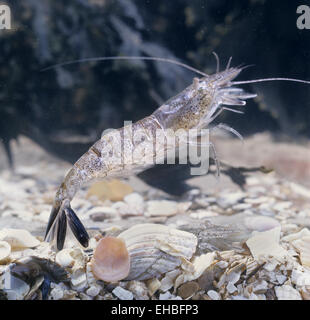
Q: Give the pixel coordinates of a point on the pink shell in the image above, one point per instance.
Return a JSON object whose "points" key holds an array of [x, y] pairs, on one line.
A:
{"points": [[111, 261]]}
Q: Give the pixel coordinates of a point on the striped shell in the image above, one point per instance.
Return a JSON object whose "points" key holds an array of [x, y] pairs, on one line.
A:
{"points": [[156, 249]]}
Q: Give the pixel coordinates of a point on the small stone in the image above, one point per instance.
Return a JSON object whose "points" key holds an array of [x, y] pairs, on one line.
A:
{"points": [[188, 289], [229, 199], [284, 205], [114, 190], [153, 285], [101, 213], [56, 294], [287, 292], [270, 266], [78, 279], [134, 199], [300, 278], [233, 277], [139, 290], [231, 288], [214, 295], [93, 291], [222, 264], [168, 296], [281, 278], [167, 281], [122, 294], [161, 208], [260, 287]]}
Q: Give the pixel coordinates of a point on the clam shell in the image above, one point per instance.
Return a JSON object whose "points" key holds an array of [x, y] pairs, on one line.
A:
{"points": [[18, 238], [111, 261], [70, 257], [156, 249], [5, 250]]}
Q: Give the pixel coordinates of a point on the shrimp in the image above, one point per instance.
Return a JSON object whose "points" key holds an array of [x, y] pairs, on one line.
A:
{"points": [[196, 107]]}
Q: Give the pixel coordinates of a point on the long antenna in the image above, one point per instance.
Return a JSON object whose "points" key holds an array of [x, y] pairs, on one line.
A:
{"points": [[127, 58], [270, 79]]}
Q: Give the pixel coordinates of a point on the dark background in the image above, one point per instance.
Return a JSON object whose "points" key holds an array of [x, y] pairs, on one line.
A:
{"points": [[66, 109]]}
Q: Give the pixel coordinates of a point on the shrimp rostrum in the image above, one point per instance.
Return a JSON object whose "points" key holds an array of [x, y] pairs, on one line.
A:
{"points": [[193, 108]]}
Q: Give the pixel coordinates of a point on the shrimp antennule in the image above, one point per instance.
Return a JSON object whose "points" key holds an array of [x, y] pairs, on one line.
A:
{"points": [[127, 58]]}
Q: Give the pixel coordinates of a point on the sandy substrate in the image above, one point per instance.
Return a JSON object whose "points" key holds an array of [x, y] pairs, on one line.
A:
{"points": [[241, 244]]}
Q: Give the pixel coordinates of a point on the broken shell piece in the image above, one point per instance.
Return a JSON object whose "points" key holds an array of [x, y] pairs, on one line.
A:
{"points": [[15, 288], [161, 208], [261, 223], [139, 290], [198, 266], [5, 250], [111, 260], [167, 281], [153, 285], [303, 246], [266, 244], [155, 249], [287, 292], [78, 280], [70, 257], [305, 232], [18, 238]]}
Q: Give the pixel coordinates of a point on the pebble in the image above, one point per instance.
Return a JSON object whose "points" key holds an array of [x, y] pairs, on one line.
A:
{"points": [[122, 293], [229, 199], [161, 208], [287, 292], [188, 289], [153, 285], [93, 291], [168, 296], [280, 206], [281, 278], [213, 295], [300, 278], [231, 288], [260, 287], [114, 190], [57, 293], [139, 290]]}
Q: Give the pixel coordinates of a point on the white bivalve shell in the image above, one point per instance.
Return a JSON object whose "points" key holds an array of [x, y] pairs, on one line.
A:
{"points": [[18, 238], [155, 249], [5, 250]]}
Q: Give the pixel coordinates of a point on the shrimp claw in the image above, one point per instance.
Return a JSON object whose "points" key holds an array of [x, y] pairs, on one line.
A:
{"points": [[61, 215], [77, 227]]}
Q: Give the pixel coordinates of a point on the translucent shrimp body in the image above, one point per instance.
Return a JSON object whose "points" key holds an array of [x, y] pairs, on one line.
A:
{"points": [[193, 108]]}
